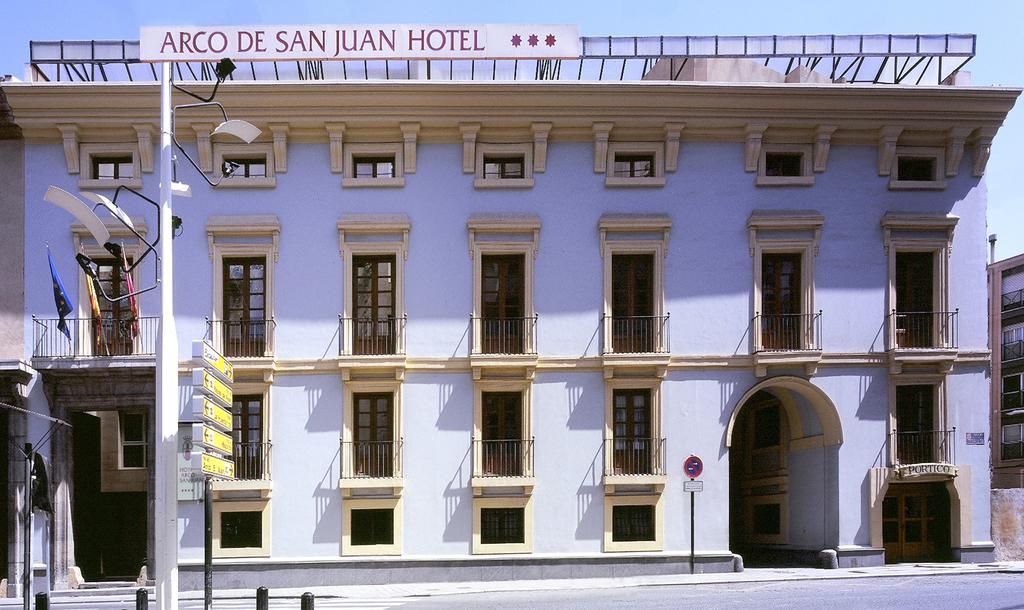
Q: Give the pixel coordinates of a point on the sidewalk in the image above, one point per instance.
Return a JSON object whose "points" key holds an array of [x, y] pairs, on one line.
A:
{"points": [[751, 575]]}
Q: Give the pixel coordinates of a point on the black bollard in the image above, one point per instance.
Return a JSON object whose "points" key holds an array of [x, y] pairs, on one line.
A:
{"points": [[43, 601], [141, 599], [307, 601], [262, 599]]}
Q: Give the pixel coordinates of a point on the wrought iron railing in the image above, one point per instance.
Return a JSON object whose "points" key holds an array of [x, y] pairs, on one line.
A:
{"points": [[788, 332], [923, 447], [504, 335], [1013, 350], [634, 456], [635, 334], [371, 459], [923, 329], [503, 458], [1013, 300], [91, 338], [252, 461], [367, 337], [242, 338]]}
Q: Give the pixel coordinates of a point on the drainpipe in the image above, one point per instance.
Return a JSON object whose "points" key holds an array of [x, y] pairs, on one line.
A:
{"points": [[992, 248]]}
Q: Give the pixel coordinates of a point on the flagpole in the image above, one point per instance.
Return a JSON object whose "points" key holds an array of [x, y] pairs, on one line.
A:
{"points": [[166, 433]]}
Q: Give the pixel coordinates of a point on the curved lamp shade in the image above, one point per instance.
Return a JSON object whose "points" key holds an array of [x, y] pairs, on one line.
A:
{"points": [[109, 205], [243, 130], [80, 210]]}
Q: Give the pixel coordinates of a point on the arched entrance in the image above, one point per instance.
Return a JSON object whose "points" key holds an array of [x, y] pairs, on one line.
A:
{"points": [[783, 441]]}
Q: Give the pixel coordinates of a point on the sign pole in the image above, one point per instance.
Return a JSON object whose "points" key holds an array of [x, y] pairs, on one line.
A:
{"points": [[692, 494], [208, 543], [26, 587]]}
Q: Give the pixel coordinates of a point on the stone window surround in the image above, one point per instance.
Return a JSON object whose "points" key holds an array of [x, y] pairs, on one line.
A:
{"points": [[363, 503], [655, 481], [393, 485], [352, 151], [504, 150], [86, 181], [84, 243], [658, 544], [242, 505], [933, 152], [940, 413], [255, 150], [653, 148], [525, 388], [523, 502], [223, 487], [806, 177]]}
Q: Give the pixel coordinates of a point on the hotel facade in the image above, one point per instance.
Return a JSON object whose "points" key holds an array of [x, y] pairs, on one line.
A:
{"points": [[480, 315]]}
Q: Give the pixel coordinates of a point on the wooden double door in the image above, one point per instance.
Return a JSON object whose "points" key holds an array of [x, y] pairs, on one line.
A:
{"points": [[916, 523]]}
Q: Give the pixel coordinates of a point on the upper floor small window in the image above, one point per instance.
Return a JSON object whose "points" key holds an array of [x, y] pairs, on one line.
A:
{"points": [[916, 167], [106, 166], [374, 165], [113, 167], [785, 165], [633, 166], [503, 168], [382, 166], [245, 167]]}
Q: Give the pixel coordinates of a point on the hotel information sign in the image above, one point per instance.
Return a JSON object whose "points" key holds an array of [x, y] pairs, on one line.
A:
{"points": [[339, 42]]}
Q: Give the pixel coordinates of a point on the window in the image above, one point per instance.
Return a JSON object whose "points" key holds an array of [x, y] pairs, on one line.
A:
{"points": [[782, 327], [633, 446], [251, 451], [1013, 441], [374, 451], [504, 165], [767, 427], [373, 526], [374, 165], [253, 165], [633, 523], [113, 168], [635, 164], [634, 326], [502, 447], [116, 330], [134, 440], [242, 529], [245, 325], [503, 325], [1013, 342], [373, 292], [1013, 392], [785, 165], [918, 168], [103, 166], [915, 293], [502, 526]]}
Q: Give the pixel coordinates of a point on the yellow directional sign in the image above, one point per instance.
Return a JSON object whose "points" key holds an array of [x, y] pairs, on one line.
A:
{"points": [[211, 359], [211, 439], [213, 465], [210, 412], [204, 381]]}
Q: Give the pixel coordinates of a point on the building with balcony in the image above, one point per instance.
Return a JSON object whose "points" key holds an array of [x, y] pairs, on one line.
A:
{"points": [[481, 312]]}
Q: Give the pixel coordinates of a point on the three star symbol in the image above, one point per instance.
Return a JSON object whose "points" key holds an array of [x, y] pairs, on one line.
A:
{"points": [[533, 40]]}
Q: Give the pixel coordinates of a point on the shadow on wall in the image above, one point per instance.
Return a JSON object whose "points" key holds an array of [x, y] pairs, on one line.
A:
{"points": [[580, 417], [458, 504], [327, 503], [873, 399], [449, 416], [590, 518], [320, 417], [595, 341]]}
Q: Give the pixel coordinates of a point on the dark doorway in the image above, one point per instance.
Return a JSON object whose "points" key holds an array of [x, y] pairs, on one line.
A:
{"points": [[633, 322], [502, 304], [914, 299], [915, 523], [781, 323], [109, 528]]}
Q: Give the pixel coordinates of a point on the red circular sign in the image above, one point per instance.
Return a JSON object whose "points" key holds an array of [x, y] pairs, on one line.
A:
{"points": [[693, 466]]}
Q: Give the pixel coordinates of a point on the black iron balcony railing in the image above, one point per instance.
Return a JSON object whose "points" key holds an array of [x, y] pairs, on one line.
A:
{"points": [[503, 458], [635, 334], [634, 456], [1013, 300], [788, 332], [252, 461], [371, 459], [242, 338], [504, 335], [923, 329], [923, 447], [1013, 350], [367, 337], [91, 338]]}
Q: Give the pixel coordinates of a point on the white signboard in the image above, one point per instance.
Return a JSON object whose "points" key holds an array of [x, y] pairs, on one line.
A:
{"points": [[693, 486], [320, 42], [190, 480]]}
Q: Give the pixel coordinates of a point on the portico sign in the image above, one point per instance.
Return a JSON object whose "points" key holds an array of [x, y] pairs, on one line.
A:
{"points": [[924, 470], [320, 42]]}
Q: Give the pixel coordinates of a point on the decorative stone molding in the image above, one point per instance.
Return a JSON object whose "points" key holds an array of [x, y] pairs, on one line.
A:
{"points": [[658, 225], [410, 132], [381, 225], [509, 226], [602, 132], [955, 149], [144, 132], [787, 222], [888, 136], [673, 132], [335, 132], [922, 223], [982, 150], [244, 226], [755, 136], [280, 131], [540, 146], [69, 132], [822, 146], [203, 145], [469, 131]]}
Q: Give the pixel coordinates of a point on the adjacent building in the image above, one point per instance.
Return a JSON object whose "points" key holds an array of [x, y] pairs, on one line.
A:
{"points": [[481, 313]]}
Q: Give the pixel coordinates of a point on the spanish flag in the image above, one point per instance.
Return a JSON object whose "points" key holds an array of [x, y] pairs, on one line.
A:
{"points": [[131, 296], [99, 341]]}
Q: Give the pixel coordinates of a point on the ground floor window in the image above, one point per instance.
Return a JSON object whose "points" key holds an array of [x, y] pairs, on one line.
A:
{"points": [[373, 526], [502, 526], [241, 527], [633, 523], [241, 530]]}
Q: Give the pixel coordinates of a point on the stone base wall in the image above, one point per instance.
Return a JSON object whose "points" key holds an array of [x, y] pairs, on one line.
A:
{"points": [[1008, 524]]}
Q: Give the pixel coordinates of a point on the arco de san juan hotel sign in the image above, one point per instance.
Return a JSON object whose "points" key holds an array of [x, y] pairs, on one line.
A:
{"points": [[339, 42]]}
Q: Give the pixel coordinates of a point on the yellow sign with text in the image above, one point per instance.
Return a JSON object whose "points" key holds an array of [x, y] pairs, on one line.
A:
{"points": [[215, 466], [211, 439], [206, 410], [211, 386], [211, 359]]}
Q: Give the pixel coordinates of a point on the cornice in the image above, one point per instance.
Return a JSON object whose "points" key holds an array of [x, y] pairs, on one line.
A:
{"points": [[371, 109]]}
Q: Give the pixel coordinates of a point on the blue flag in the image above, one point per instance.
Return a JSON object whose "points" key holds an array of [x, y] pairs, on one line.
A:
{"points": [[60, 297]]}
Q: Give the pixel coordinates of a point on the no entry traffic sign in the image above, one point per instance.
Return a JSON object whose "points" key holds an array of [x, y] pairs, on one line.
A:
{"points": [[693, 466]]}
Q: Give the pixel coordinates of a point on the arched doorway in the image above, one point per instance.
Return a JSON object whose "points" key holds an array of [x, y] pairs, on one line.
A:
{"points": [[783, 441]]}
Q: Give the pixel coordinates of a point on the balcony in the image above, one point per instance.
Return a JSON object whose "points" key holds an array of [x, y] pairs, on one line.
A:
{"points": [[925, 447], [364, 337], [252, 468], [635, 334], [634, 461], [504, 336], [1013, 300], [503, 463], [786, 340], [923, 337], [371, 464], [242, 338], [1013, 350], [90, 338]]}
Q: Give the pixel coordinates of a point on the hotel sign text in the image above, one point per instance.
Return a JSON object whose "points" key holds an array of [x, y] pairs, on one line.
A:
{"points": [[924, 470], [320, 42]]}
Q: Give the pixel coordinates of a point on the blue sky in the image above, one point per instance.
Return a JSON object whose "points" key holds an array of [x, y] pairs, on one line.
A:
{"points": [[998, 23]]}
